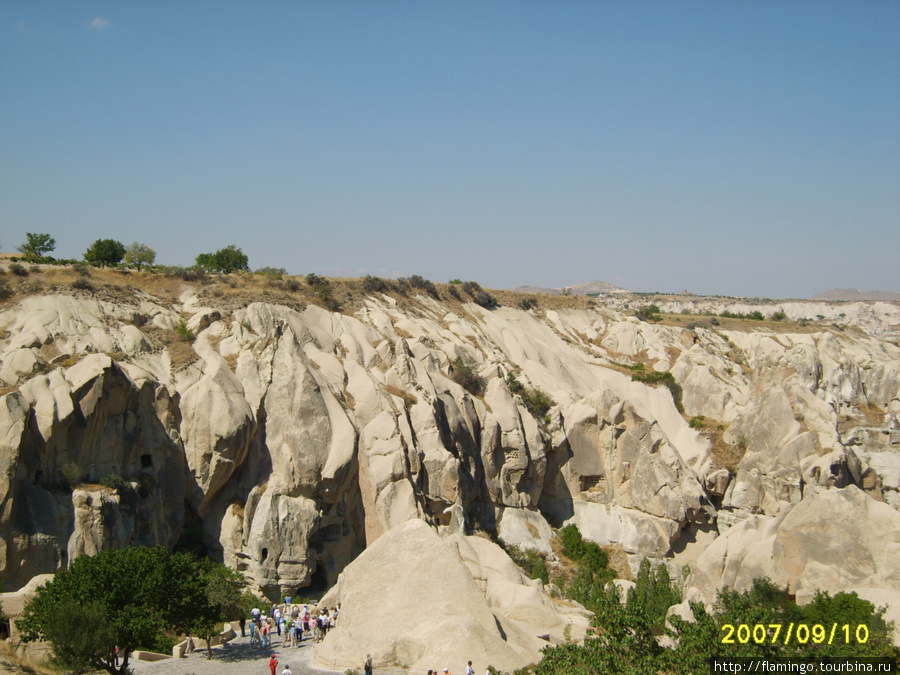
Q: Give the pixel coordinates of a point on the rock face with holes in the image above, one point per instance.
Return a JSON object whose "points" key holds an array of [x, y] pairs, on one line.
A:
{"points": [[287, 440]]}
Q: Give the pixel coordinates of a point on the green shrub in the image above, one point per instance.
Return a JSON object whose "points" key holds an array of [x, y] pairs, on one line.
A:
{"points": [[515, 387], [537, 402], [697, 422], [72, 474], [463, 372], [648, 313], [372, 284], [292, 285], [531, 561], [272, 272], [528, 303], [779, 316], [115, 482], [185, 333], [82, 284], [485, 299], [455, 282], [424, 284], [18, 269], [6, 290], [322, 288], [471, 287]]}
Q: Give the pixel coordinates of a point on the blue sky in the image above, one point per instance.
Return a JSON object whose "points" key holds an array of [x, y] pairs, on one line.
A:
{"points": [[739, 148]]}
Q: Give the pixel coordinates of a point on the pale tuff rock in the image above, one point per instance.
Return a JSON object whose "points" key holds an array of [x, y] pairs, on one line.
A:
{"points": [[833, 539], [299, 438], [483, 608], [525, 529]]}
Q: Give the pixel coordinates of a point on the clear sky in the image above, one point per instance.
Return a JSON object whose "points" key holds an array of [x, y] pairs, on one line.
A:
{"points": [[739, 148]]}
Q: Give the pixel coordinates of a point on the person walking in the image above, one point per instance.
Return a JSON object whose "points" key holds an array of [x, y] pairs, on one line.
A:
{"points": [[273, 662], [367, 664], [469, 670], [286, 671]]}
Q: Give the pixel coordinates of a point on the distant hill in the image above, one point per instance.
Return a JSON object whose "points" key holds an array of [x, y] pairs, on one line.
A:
{"points": [[853, 294], [590, 288]]}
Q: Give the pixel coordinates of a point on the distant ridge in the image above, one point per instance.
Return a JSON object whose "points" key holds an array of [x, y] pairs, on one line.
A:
{"points": [[853, 294], [590, 288]]}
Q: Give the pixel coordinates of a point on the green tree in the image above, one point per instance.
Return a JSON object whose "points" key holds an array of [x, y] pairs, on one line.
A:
{"points": [[137, 593], [138, 255], [36, 246], [105, 253], [225, 260]]}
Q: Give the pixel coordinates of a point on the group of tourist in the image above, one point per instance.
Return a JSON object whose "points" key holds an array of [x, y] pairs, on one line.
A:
{"points": [[290, 624], [446, 671]]}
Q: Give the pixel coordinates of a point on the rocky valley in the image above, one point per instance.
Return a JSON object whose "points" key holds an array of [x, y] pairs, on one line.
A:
{"points": [[286, 437]]}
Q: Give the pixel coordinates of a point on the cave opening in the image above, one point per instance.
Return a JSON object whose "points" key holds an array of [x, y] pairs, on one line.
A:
{"points": [[319, 582]]}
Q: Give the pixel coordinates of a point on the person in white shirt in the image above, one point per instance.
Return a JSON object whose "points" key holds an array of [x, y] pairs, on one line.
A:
{"points": [[287, 670], [469, 670]]}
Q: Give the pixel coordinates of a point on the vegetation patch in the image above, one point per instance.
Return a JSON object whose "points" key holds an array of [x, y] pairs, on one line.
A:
{"points": [[464, 373]]}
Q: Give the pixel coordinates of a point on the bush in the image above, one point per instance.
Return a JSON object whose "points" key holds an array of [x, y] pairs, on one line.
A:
{"points": [[372, 284], [528, 303], [486, 300], [779, 316], [82, 284], [272, 272], [424, 284], [452, 290], [455, 282], [6, 290], [697, 422], [81, 270], [18, 270], [471, 287], [72, 474], [464, 374], [115, 482], [537, 402], [531, 561], [292, 285], [648, 313], [184, 273], [322, 288], [185, 333], [515, 387]]}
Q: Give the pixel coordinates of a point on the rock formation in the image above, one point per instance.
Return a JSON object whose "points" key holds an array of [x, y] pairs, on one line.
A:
{"points": [[290, 439]]}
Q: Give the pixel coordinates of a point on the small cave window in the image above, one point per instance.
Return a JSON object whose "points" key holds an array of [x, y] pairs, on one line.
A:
{"points": [[146, 461], [263, 555], [332, 532], [38, 476], [591, 482]]}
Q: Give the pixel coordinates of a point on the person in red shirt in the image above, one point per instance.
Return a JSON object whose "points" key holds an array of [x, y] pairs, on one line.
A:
{"points": [[272, 663]]}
